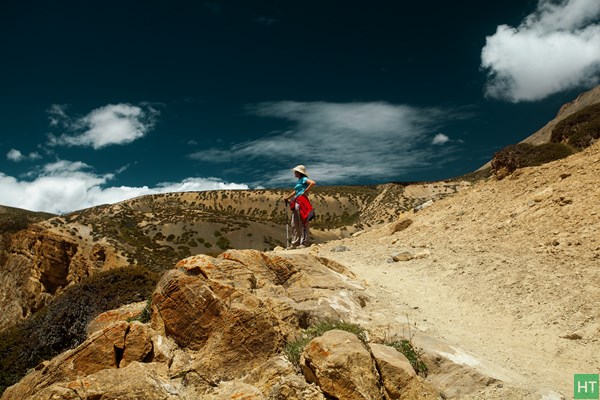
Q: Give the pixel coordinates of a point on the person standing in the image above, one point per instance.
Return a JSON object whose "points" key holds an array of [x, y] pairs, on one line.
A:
{"points": [[302, 211]]}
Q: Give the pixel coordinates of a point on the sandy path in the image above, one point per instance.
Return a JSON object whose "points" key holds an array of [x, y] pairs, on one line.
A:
{"points": [[508, 271], [438, 295]]}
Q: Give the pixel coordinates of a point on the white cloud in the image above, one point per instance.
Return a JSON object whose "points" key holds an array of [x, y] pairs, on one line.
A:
{"points": [[440, 138], [341, 142], [113, 124], [66, 186], [16, 156], [555, 48]]}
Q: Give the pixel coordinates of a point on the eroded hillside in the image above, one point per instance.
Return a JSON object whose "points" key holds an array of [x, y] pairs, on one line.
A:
{"points": [[155, 232], [506, 271]]}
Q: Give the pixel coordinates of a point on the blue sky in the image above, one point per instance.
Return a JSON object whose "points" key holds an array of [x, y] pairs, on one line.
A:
{"points": [[103, 101]]}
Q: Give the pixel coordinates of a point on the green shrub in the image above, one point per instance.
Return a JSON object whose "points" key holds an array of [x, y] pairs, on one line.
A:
{"points": [[144, 316], [580, 129], [412, 353], [223, 243], [523, 155], [62, 324]]}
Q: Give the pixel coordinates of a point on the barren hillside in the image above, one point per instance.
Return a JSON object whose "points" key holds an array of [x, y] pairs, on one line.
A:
{"points": [[506, 271], [39, 260]]}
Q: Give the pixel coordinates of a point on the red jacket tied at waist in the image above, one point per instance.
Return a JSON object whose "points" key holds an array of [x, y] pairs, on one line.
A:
{"points": [[305, 208]]}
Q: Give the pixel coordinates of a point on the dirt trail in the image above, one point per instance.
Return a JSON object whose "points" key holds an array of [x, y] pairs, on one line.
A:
{"points": [[507, 270]]}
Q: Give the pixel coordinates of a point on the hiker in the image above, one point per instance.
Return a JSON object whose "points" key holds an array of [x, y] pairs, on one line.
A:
{"points": [[302, 211]]}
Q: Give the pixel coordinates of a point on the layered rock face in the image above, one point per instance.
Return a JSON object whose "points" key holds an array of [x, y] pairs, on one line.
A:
{"points": [[218, 329], [37, 264]]}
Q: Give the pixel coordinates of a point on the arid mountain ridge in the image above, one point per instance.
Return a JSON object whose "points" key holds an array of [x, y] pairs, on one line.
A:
{"points": [[158, 230]]}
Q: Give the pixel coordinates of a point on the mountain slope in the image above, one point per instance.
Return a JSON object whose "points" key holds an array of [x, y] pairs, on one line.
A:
{"points": [[544, 134], [583, 100], [156, 231], [507, 271]]}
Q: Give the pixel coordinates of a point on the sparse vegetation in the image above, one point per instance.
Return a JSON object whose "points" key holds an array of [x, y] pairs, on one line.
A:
{"points": [[523, 155], [144, 316], [406, 346], [223, 243], [15, 219], [62, 324], [580, 129], [294, 349], [412, 353]]}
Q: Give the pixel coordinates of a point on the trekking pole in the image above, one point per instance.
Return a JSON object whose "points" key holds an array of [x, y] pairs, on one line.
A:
{"points": [[287, 222]]}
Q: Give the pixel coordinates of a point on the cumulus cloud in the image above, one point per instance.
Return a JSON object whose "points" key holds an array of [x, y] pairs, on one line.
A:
{"points": [[341, 141], [555, 48], [113, 124], [16, 156], [440, 138], [65, 186]]}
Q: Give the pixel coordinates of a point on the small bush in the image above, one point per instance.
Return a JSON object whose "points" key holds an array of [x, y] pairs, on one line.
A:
{"points": [[412, 353], [523, 155], [144, 316], [294, 349], [62, 324], [223, 243], [580, 129]]}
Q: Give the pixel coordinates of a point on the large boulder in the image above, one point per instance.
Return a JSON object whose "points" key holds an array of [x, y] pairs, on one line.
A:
{"points": [[136, 382], [237, 310], [340, 364], [232, 330], [105, 349], [399, 378]]}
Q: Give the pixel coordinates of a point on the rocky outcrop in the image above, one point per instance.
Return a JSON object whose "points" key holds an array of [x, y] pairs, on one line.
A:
{"points": [[238, 309], [38, 264], [346, 368], [341, 366], [110, 348], [217, 331]]}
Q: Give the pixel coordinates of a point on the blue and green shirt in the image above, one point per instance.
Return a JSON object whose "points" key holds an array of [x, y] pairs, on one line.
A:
{"points": [[301, 186]]}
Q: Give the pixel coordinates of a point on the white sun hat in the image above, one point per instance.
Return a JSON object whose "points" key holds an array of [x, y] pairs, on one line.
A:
{"points": [[301, 169]]}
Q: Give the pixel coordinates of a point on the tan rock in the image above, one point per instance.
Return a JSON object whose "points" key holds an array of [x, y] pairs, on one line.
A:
{"points": [[163, 348], [138, 344], [237, 309], [137, 381], [400, 225], [270, 373], [394, 368], [102, 350], [403, 256], [542, 195], [108, 318], [341, 366], [233, 329], [294, 387], [235, 390]]}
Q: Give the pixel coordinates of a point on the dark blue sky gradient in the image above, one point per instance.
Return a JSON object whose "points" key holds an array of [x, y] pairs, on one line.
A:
{"points": [[204, 65]]}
